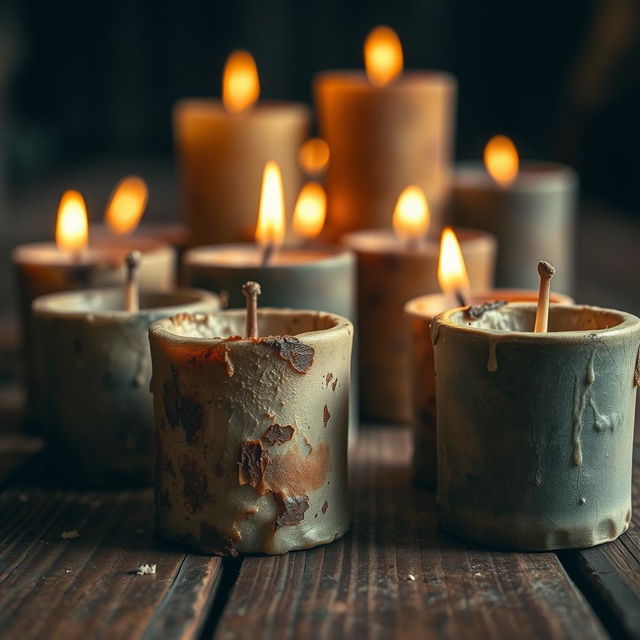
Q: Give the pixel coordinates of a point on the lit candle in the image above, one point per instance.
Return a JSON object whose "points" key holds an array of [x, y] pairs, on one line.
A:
{"points": [[386, 129], [223, 147], [93, 370], [529, 207], [392, 268], [420, 312], [535, 429], [72, 263], [251, 449]]}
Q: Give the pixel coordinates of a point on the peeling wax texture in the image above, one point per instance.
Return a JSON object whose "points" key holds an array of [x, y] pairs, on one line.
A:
{"points": [[251, 434], [93, 372], [535, 431]]}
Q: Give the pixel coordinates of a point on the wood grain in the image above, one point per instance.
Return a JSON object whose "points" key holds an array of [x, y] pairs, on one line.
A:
{"points": [[87, 587], [397, 575]]}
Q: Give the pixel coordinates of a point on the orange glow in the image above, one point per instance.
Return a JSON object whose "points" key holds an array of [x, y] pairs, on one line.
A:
{"points": [[501, 160], [240, 84], [310, 211], [72, 228], [411, 215], [271, 225], [126, 205], [382, 56], [314, 156], [452, 274]]}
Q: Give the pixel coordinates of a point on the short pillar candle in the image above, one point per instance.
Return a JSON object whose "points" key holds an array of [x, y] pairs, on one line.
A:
{"points": [[535, 430], [251, 433]]}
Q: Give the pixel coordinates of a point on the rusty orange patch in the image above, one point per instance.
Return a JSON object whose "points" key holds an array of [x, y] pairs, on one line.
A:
{"points": [[292, 510], [252, 464], [278, 434], [292, 475], [298, 354]]}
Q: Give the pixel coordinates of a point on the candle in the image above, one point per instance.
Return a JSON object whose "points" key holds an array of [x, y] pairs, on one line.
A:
{"points": [[71, 263], [251, 431], [535, 430], [529, 208], [392, 269], [93, 370], [385, 130], [223, 147]]}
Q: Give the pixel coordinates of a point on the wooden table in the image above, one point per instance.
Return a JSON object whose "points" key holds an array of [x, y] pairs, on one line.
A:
{"points": [[395, 575]]}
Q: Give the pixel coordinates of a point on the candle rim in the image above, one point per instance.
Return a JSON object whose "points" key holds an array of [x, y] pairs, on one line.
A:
{"points": [[356, 79], [210, 107], [629, 323]]}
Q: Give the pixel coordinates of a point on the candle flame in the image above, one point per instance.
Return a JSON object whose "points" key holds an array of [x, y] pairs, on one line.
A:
{"points": [[271, 225], [240, 84], [382, 56], [314, 156], [452, 273], [310, 211], [126, 205], [411, 215], [72, 228], [501, 160]]}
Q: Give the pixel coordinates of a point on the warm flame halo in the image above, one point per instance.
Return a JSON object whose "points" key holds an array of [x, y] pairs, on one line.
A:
{"points": [[126, 205], [313, 156], [452, 273], [310, 211], [411, 216], [382, 56], [270, 231], [501, 160], [72, 227], [240, 83]]}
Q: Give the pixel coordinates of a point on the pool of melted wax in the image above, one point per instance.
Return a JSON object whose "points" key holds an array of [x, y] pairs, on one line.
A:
{"points": [[521, 317]]}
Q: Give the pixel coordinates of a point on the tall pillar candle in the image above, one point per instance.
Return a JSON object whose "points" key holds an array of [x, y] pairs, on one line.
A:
{"points": [[420, 313], [384, 135], [93, 369], [251, 432], [222, 149], [388, 275], [535, 430]]}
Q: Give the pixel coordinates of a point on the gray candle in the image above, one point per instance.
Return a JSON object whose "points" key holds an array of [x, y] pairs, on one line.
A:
{"points": [[93, 370], [535, 430]]}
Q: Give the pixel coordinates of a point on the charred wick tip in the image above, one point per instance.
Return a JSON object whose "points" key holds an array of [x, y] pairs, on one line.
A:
{"points": [[132, 260], [251, 289], [545, 269]]}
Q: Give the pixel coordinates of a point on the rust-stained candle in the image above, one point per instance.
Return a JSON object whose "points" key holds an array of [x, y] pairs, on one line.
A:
{"points": [[386, 129], [529, 206], [392, 268], [535, 430], [222, 148], [251, 433], [93, 368]]}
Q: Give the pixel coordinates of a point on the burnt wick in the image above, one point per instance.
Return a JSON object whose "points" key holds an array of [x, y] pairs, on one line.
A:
{"points": [[267, 254], [131, 293], [545, 271], [251, 291], [462, 298]]}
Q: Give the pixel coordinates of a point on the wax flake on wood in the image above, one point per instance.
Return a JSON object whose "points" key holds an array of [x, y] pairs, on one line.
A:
{"points": [[478, 311], [278, 434], [326, 416], [146, 569], [296, 353], [181, 411], [213, 541], [252, 465], [195, 489], [292, 510]]}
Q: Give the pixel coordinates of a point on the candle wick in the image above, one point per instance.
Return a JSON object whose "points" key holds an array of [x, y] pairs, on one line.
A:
{"points": [[545, 271], [413, 243], [267, 254], [132, 295], [251, 291], [462, 298]]}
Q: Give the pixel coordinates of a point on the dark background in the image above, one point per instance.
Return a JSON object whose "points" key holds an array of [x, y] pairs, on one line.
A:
{"points": [[83, 80]]}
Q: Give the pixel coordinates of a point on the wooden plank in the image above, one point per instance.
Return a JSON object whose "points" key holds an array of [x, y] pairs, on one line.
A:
{"points": [[51, 587], [398, 575]]}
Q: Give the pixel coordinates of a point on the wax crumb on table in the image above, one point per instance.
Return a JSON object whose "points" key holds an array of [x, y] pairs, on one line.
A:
{"points": [[145, 569], [411, 577], [69, 535]]}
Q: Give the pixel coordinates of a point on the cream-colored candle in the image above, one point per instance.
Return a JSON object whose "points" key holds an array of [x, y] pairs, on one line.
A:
{"points": [[385, 130], [222, 148], [251, 433], [93, 370], [392, 268]]}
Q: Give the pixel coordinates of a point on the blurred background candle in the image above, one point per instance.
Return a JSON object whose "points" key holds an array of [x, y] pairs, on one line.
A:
{"points": [[420, 312], [223, 147], [392, 268], [385, 129], [529, 207]]}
